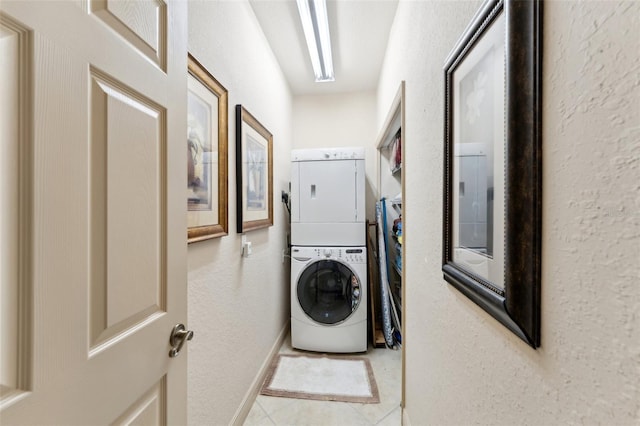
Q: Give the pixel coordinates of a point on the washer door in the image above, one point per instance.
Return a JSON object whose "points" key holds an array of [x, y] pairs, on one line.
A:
{"points": [[328, 291]]}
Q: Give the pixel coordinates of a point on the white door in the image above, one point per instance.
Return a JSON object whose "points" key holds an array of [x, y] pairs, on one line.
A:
{"points": [[92, 168]]}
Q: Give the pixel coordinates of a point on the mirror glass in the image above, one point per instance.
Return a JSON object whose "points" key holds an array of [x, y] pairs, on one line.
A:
{"points": [[478, 163]]}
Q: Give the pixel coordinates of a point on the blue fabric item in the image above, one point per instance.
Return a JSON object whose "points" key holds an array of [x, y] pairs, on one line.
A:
{"points": [[387, 326]]}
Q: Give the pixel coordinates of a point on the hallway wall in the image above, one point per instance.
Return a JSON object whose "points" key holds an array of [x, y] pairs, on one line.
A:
{"points": [[238, 306], [463, 367], [340, 120]]}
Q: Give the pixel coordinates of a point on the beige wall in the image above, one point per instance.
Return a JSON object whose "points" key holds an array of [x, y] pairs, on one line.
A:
{"points": [[238, 306], [462, 366], [340, 120]]}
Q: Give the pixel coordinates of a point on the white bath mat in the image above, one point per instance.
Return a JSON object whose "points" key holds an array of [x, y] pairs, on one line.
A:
{"points": [[325, 378]]}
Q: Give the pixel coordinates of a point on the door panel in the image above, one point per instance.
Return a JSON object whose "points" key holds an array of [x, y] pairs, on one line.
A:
{"points": [[141, 22], [15, 286], [148, 410], [127, 160], [105, 189]]}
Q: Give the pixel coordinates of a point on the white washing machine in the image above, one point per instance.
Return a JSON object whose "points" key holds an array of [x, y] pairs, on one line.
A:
{"points": [[328, 197], [329, 299]]}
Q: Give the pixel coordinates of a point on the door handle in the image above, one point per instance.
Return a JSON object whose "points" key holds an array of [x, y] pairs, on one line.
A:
{"points": [[179, 335]]}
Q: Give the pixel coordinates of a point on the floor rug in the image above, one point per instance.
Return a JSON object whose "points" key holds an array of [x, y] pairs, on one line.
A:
{"points": [[325, 378]]}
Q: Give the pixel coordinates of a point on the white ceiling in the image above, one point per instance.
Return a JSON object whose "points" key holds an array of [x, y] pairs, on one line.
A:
{"points": [[359, 33]]}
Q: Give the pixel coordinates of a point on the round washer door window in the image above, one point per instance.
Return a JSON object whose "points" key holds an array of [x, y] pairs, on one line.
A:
{"points": [[328, 291]]}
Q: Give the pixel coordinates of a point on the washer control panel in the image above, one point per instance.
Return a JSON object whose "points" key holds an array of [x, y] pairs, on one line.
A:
{"points": [[358, 255], [351, 255]]}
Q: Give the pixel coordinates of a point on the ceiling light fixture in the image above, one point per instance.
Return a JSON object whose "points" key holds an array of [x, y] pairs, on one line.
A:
{"points": [[313, 14]]}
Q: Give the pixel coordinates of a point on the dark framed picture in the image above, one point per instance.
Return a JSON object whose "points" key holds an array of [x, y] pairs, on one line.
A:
{"points": [[254, 172], [207, 151], [492, 164]]}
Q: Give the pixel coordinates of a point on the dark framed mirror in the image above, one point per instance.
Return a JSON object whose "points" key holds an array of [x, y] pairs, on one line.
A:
{"points": [[492, 164]]}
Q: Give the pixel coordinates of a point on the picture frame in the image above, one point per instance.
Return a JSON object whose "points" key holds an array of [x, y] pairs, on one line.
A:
{"points": [[492, 192], [254, 173], [207, 154]]}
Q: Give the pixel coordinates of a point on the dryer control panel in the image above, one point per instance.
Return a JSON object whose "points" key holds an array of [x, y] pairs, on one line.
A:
{"points": [[325, 154]]}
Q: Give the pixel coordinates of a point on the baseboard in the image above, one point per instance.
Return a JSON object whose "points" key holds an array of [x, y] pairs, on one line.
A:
{"points": [[405, 417], [254, 390]]}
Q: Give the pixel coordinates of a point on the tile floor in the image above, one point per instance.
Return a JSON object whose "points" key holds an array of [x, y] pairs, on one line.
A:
{"points": [[386, 364]]}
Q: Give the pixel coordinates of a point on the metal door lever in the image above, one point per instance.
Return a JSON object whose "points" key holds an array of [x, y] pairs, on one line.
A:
{"points": [[179, 335]]}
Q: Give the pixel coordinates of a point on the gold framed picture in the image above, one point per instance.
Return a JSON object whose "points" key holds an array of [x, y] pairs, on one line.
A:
{"points": [[207, 155]]}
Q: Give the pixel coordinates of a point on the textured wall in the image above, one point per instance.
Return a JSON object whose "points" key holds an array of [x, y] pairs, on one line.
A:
{"points": [[238, 306], [341, 120], [462, 366]]}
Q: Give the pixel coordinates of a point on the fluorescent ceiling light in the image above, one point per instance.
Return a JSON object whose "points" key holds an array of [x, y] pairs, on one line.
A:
{"points": [[313, 14]]}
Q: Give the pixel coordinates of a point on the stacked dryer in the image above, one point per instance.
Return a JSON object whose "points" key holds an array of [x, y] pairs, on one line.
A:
{"points": [[328, 254]]}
